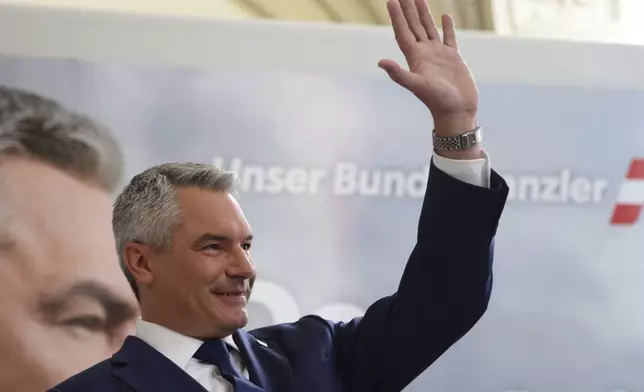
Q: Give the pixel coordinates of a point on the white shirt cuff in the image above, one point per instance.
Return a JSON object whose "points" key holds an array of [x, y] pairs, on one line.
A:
{"points": [[474, 172]]}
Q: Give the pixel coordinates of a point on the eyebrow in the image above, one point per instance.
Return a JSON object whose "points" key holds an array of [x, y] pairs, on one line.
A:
{"points": [[116, 309], [207, 237]]}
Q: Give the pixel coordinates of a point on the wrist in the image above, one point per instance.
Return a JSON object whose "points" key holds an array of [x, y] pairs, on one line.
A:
{"points": [[454, 124]]}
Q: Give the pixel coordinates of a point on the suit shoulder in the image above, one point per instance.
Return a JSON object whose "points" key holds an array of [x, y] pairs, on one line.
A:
{"points": [[305, 325], [310, 333], [86, 380], [310, 336]]}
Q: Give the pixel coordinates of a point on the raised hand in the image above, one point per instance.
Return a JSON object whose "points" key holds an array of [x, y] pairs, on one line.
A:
{"points": [[437, 73]]}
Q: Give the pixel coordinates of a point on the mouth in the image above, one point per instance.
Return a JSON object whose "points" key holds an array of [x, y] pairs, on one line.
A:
{"points": [[236, 298]]}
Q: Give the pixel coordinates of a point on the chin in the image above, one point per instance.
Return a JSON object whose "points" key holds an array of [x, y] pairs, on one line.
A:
{"points": [[231, 322], [241, 321]]}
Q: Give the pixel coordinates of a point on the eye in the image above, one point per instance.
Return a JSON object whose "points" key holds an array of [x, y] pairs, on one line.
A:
{"points": [[212, 247], [87, 322], [246, 246]]}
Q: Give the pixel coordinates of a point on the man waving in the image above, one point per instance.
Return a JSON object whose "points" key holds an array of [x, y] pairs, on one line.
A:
{"points": [[185, 247]]}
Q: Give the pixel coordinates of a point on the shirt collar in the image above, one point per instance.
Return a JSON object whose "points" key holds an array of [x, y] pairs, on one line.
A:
{"points": [[176, 347]]}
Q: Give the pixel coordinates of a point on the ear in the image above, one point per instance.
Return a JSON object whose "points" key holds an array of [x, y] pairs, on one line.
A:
{"points": [[137, 261]]}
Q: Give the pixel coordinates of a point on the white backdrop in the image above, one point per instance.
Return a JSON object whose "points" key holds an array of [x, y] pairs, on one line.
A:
{"points": [[300, 47]]}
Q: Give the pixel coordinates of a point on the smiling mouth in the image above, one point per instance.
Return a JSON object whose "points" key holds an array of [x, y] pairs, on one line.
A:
{"points": [[235, 298]]}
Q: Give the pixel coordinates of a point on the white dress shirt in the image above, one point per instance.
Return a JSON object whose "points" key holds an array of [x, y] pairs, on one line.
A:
{"points": [[179, 348]]}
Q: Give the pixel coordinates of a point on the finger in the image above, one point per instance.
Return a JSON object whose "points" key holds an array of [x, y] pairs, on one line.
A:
{"points": [[426, 19], [413, 20], [449, 32], [404, 36], [398, 74]]}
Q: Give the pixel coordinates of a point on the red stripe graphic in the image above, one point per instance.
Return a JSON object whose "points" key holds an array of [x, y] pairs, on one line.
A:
{"points": [[636, 170], [626, 214]]}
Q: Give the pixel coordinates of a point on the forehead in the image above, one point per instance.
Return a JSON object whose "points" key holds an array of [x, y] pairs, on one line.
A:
{"points": [[60, 229], [214, 212]]}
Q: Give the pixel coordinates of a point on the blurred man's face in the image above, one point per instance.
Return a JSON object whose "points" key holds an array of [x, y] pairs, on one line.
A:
{"points": [[204, 281], [65, 303]]}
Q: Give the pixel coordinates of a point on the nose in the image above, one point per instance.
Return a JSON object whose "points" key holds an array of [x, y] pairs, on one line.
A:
{"points": [[242, 267]]}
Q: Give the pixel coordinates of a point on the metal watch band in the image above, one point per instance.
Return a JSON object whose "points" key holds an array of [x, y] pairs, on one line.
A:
{"points": [[457, 143]]}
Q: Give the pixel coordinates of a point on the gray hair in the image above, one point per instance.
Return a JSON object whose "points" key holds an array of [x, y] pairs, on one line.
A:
{"points": [[147, 211], [35, 127]]}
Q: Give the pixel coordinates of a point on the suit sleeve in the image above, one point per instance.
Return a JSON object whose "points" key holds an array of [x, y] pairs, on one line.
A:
{"points": [[444, 290]]}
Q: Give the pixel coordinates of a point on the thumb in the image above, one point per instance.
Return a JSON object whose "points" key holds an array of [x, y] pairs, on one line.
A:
{"points": [[397, 73]]}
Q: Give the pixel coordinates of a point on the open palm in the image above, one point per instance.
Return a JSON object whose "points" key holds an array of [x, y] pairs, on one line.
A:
{"points": [[437, 73]]}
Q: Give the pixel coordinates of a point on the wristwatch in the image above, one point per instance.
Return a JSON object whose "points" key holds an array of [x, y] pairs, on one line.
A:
{"points": [[457, 143]]}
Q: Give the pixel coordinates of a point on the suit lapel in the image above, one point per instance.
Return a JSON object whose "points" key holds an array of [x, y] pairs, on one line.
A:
{"points": [[147, 370], [266, 368]]}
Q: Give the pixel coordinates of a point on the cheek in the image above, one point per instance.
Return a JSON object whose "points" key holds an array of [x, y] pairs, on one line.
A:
{"points": [[78, 348], [42, 355], [62, 355], [204, 270], [213, 267]]}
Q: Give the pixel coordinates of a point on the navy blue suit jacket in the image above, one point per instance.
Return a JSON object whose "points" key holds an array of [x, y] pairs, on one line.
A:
{"points": [[443, 292]]}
